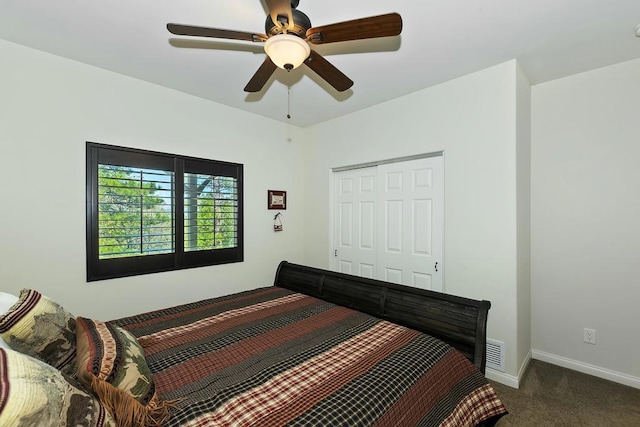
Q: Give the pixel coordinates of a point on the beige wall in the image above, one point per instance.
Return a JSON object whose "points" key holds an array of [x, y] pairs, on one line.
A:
{"points": [[50, 106], [585, 204], [473, 120]]}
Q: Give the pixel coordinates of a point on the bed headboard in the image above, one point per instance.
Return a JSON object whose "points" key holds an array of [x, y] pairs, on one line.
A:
{"points": [[460, 322]]}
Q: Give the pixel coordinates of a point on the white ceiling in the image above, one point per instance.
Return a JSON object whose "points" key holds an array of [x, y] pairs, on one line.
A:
{"points": [[441, 40]]}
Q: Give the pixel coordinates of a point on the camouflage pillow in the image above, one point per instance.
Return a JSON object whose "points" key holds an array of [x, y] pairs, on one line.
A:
{"points": [[33, 393], [111, 362], [39, 327]]}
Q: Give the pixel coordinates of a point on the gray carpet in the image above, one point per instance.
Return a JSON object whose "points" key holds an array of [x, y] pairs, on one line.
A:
{"points": [[553, 396]]}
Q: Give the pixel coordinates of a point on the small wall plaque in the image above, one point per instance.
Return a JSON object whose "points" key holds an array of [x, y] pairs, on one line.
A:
{"points": [[276, 199]]}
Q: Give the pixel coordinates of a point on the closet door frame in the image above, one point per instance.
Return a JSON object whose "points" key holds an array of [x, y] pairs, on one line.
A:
{"points": [[360, 206]]}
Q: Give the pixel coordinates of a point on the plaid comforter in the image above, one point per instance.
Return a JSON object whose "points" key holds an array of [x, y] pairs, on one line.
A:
{"points": [[273, 357]]}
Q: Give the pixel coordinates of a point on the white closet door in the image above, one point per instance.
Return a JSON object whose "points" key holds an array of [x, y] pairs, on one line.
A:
{"points": [[410, 211], [389, 220], [355, 221]]}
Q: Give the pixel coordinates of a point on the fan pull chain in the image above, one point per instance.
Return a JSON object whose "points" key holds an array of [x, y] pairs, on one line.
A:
{"points": [[288, 102]]}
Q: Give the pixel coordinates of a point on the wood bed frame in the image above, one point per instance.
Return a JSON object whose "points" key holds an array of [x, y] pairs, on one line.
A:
{"points": [[460, 322]]}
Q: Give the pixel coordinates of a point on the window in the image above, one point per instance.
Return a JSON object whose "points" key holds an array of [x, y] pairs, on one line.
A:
{"points": [[149, 212]]}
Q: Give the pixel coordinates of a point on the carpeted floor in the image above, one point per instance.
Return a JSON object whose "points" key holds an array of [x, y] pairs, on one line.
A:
{"points": [[550, 395]]}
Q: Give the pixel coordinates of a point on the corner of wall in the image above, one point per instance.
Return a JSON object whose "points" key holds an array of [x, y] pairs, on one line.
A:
{"points": [[510, 380], [523, 214]]}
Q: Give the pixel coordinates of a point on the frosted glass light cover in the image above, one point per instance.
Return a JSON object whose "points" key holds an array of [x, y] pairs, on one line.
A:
{"points": [[286, 49]]}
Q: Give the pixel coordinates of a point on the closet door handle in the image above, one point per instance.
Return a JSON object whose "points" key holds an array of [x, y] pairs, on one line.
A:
{"points": [[436, 266]]}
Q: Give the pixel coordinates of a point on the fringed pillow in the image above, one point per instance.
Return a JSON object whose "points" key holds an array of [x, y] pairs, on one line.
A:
{"points": [[111, 362], [41, 328], [33, 393]]}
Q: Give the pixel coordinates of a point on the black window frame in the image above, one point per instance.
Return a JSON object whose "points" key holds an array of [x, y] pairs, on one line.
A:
{"points": [[102, 269]]}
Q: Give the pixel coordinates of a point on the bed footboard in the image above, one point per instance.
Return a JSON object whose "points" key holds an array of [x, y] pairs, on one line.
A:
{"points": [[460, 322]]}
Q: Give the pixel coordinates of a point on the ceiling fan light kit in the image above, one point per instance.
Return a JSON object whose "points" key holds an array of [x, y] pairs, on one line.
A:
{"points": [[287, 51], [289, 33]]}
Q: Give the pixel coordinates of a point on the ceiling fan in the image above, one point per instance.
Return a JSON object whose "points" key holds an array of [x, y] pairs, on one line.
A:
{"points": [[288, 35]]}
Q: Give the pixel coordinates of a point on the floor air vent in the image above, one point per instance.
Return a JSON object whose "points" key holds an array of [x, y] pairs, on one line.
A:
{"points": [[495, 355]]}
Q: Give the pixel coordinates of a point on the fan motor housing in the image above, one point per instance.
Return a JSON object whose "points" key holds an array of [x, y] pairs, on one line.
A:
{"points": [[301, 23]]}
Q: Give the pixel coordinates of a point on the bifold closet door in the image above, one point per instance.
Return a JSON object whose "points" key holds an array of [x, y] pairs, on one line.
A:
{"points": [[388, 222]]}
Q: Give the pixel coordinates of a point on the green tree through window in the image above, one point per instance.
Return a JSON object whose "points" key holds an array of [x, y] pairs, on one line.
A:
{"points": [[149, 212], [210, 212], [136, 211]]}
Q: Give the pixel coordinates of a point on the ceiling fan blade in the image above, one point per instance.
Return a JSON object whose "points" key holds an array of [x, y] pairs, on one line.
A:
{"points": [[189, 30], [365, 28], [328, 72], [280, 8], [261, 76]]}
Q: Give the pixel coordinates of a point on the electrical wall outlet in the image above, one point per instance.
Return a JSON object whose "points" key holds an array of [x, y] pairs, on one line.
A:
{"points": [[590, 336]]}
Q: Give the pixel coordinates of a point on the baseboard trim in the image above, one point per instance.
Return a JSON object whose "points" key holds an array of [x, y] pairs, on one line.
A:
{"points": [[506, 379], [524, 366], [501, 377], [586, 368]]}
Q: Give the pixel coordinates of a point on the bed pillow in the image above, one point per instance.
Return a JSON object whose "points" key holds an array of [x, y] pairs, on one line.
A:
{"points": [[33, 393], [111, 362], [6, 302], [39, 327]]}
